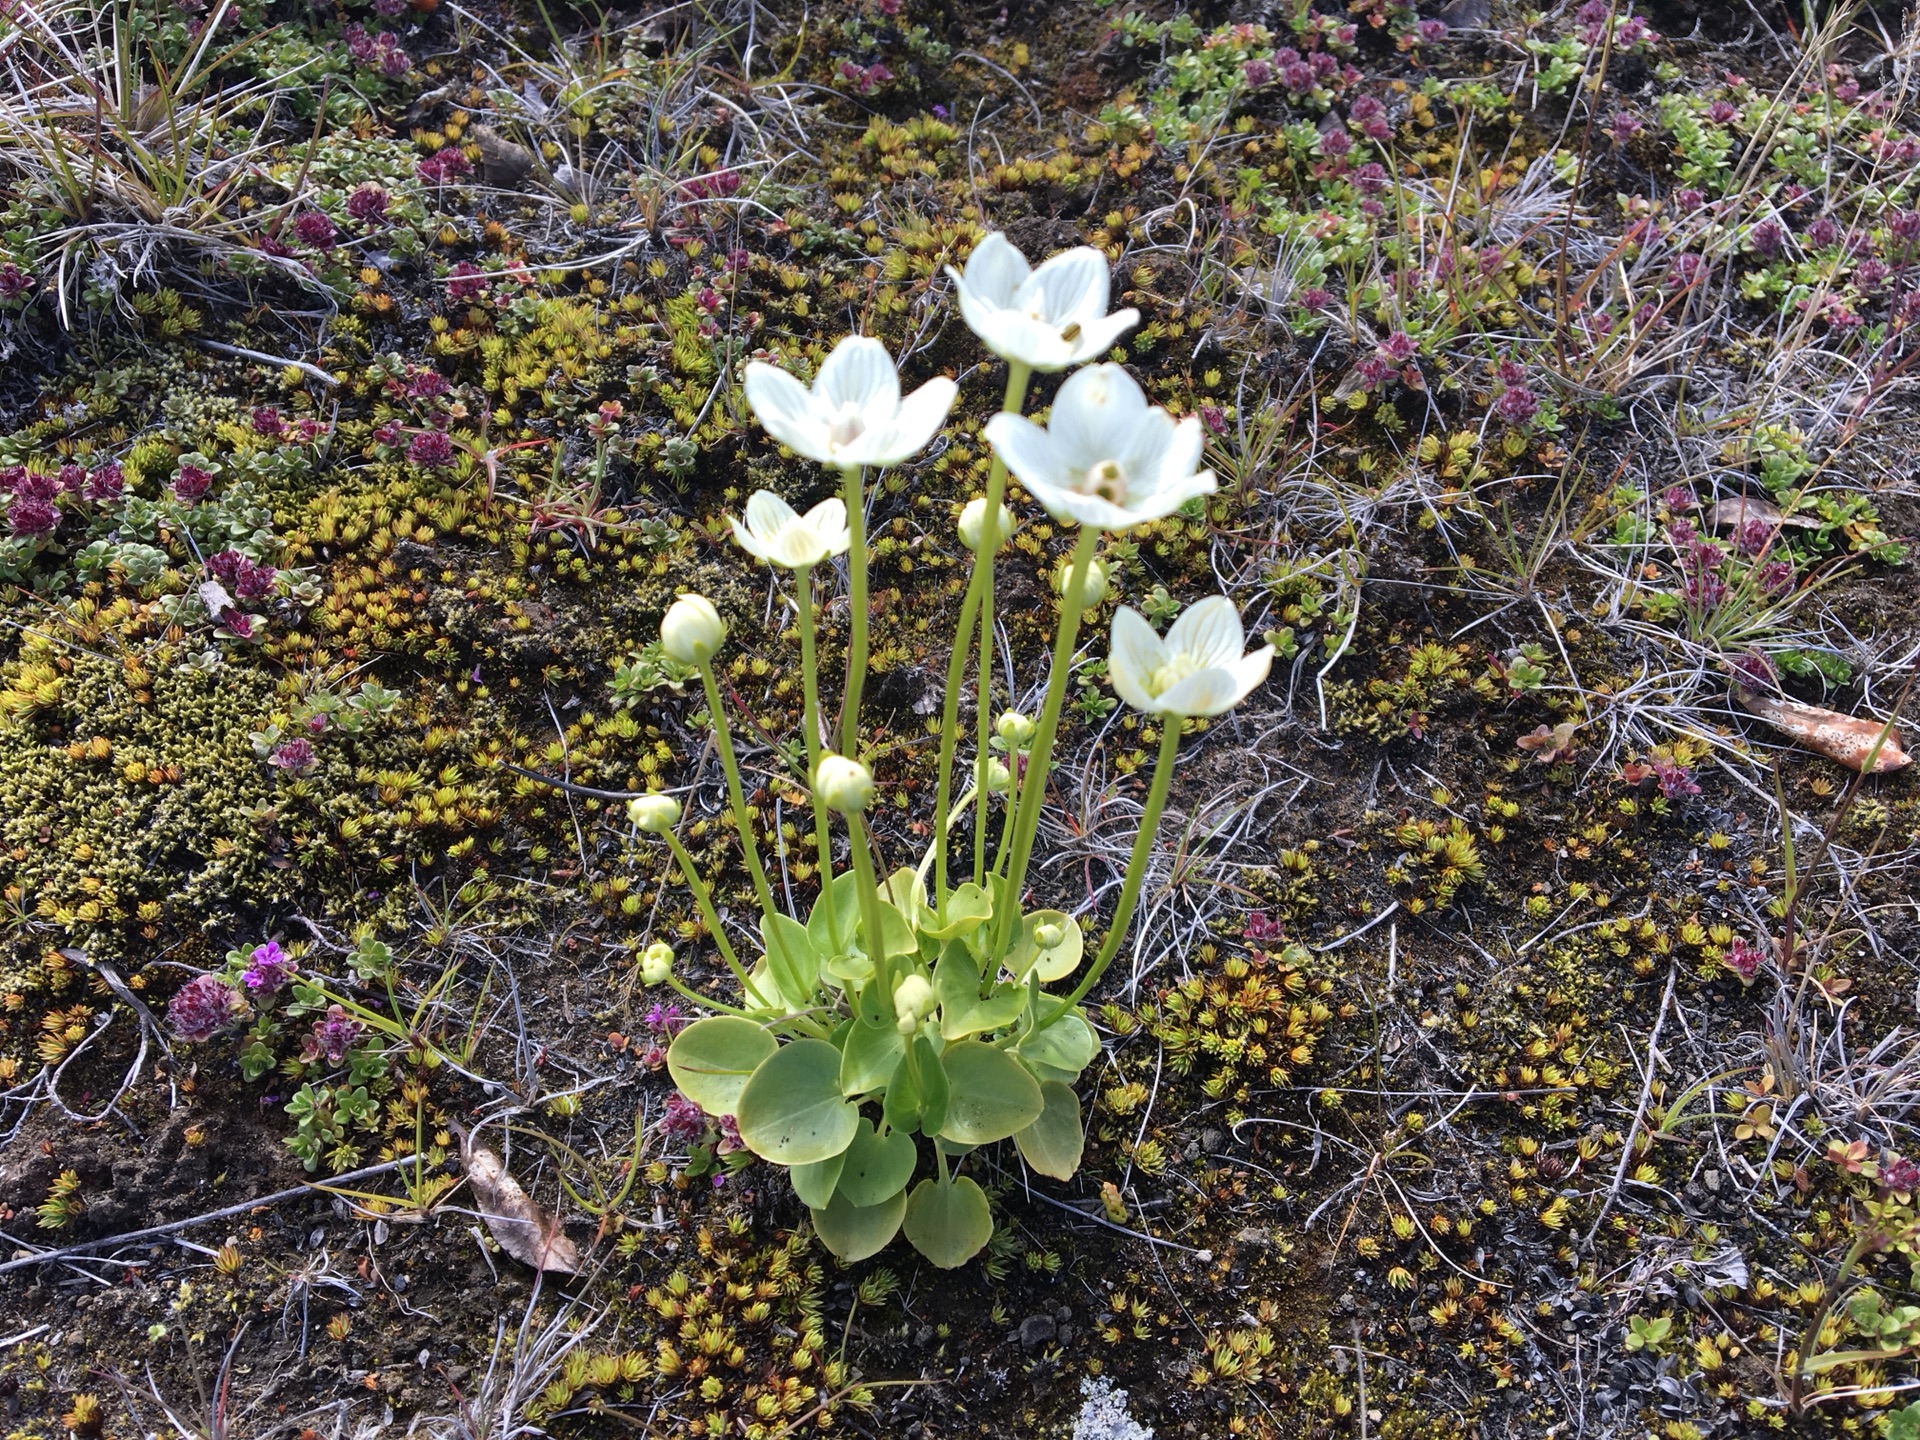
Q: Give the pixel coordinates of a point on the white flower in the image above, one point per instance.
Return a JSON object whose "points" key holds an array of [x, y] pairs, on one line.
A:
{"points": [[844, 786], [913, 1001], [1106, 457], [1047, 319], [973, 520], [776, 534], [853, 415], [1196, 670], [692, 630], [656, 963], [656, 814]]}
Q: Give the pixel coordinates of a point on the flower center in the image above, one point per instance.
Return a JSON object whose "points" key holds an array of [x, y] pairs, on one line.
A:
{"points": [[1107, 480], [1171, 672], [846, 426]]}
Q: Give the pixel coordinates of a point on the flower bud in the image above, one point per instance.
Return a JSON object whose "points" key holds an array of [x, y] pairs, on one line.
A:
{"points": [[912, 1002], [656, 963], [692, 630], [1092, 591], [1014, 729], [656, 814], [973, 519], [843, 785], [1047, 936], [999, 778]]}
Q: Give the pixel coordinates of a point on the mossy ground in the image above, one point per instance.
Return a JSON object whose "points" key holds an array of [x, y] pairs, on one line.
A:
{"points": [[1433, 1102]]}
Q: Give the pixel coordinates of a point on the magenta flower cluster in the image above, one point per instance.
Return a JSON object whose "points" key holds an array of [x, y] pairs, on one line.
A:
{"points": [[203, 1007]]}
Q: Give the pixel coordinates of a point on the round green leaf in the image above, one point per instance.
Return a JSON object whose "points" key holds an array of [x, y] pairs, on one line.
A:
{"points": [[875, 1167], [949, 1224], [815, 1183], [1068, 1045], [872, 1052], [1052, 964], [711, 1059], [991, 1095], [1052, 1144], [968, 908], [853, 1233], [791, 1111]]}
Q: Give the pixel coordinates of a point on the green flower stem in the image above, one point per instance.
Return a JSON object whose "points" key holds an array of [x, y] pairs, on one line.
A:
{"points": [[870, 904], [709, 1003], [979, 597], [857, 600], [983, 719], [810, 689], [704, 902], [723, 740], [1027, 817], [1136, 868]]}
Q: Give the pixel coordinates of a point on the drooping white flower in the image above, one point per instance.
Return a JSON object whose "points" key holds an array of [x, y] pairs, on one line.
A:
{"points": [[1047, 319], [774, 533], [853, 415], [656, 814], [1196, 670], [973, 522], [1106, 457], [844, 786], [692, 630]]}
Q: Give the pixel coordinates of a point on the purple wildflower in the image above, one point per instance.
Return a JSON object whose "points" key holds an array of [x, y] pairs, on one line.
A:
{"points": [[203, 1007], [315, 229], [684, 1121], [191, 483], [1517, 405], [368, 203], [332, 1037], [295, 756], [1744, 960], [431, 449], [1675, 780], [14, 282], [270, 971], [104, 484]]}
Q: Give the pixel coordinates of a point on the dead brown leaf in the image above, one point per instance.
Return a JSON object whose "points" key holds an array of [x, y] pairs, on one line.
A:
{"points": [[1839, 737], [515, 1219]]}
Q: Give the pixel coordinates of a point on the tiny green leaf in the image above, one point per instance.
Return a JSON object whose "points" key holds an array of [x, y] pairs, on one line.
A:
{"points": [[711, 1059]]}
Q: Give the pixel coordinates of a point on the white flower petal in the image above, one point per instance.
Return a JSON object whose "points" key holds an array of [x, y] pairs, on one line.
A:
{"points": [[828, 520], [1067, 288], [1208, 633], [996, 270], [786, 411], [1100, 334], [1135, 654], [1202, 694], [1028, 452], [1094, 413], [747, 540], [860, 373], [768, 515], [919, 418]]}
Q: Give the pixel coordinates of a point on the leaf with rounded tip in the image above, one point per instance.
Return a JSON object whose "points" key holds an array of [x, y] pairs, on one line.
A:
{"points": [[815, 1183], [853, 1233], [711, 1060], [968, 908], [1054, 963], [934, 1091], [1062, 1050], [877, 1166], [990, 1094], [869, 1058], [1052, 1144], [956, 984], [949, 1224], [838, 902], [791, 959], [791, 1110]]}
